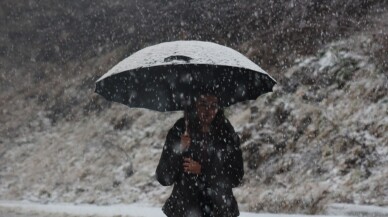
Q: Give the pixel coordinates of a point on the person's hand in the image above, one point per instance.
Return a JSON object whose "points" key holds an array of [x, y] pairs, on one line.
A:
{"points": [[185, 142], [191, 166]]}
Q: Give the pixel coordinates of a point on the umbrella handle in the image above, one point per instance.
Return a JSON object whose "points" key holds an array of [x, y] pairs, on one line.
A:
{"points": [[186, 121]]}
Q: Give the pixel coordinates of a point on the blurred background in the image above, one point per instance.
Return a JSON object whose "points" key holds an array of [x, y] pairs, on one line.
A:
{"points": [[320, 138]]}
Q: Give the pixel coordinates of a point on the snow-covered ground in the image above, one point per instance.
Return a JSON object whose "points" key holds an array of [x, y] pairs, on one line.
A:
{"points": [[24, 209]]}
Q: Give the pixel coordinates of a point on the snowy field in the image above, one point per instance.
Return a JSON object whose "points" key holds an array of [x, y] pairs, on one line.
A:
{"points": [[28, 209]]}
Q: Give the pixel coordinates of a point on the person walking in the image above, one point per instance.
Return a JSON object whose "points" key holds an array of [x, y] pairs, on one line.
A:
{"points": [[203, 162]]}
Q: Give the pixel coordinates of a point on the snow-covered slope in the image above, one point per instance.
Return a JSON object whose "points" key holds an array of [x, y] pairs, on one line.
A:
{"points": [[319, 138]]}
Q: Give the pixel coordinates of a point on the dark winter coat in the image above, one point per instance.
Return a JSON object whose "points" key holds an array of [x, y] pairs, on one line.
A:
{"points": [[221, 170]]}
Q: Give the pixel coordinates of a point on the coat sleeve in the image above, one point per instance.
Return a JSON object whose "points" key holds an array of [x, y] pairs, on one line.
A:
{"points": [[170, 163], [233, 165]]}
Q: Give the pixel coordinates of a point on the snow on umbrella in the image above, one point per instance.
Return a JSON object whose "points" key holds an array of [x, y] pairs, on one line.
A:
{"points": [[162, 77]]}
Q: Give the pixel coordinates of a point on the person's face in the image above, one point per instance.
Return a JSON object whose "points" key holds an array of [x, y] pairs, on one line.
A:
{"points": [[207, 108]]}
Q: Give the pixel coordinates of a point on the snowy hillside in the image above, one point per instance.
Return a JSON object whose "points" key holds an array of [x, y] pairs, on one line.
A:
{"points": [[320, 138], [305, 145]]}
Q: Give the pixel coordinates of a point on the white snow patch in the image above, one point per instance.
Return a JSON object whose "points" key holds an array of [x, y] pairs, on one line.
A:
{"points": [[133, 210], [327, 60], [356, 210]]}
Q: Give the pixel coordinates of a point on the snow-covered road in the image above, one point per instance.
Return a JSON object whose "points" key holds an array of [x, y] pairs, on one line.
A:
{"points": [[24, 209]]}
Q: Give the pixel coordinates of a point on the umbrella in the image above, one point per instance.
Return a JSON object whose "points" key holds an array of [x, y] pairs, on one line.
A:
{"points": [[162, 77]]}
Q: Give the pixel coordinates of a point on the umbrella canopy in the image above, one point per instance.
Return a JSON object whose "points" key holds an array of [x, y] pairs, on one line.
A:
{"points": [[161, 77]]}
